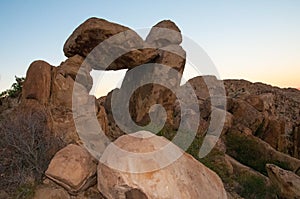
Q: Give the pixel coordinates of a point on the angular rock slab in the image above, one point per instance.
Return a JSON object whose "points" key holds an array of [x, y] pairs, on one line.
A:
{"points": [[73, 168], [184, 178], [287, 181]]}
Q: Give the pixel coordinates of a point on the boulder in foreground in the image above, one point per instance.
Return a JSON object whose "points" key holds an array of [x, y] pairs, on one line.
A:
{"points": [[183, 178], [73, 168]]}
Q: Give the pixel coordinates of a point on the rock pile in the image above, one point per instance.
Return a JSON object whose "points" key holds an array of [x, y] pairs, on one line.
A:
{"points": [[73, 168], [261, 124]]}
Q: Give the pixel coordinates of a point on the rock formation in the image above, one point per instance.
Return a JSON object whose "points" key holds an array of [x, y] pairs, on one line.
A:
{"points": [[261, 123]]}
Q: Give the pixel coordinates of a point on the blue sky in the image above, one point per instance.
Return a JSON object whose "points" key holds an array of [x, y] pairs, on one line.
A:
{"points": [[253, 40]]}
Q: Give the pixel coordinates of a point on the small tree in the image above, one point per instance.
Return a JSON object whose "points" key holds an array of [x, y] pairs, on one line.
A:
{"points": [[15, 90]]}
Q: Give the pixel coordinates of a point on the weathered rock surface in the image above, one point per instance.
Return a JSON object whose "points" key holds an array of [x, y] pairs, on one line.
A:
{"points": [[73, 168], [260, 120], [255, 153], [174, 57], [164, 33], [62, 124], [278, 104], [128, 58], [65, 76], [124, 49], [79, 72], [47, 192], [167, 74], [246, 115], [38, 82], [207, 86], [286, 181], [89, 34], [50, 190], [166, 69], [172, 181]]}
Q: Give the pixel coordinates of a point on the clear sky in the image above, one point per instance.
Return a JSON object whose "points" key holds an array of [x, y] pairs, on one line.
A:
{"points": [[253, 40]]}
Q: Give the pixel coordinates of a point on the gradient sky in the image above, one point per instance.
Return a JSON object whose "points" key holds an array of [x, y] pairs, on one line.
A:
{"points": [[253, 40]]}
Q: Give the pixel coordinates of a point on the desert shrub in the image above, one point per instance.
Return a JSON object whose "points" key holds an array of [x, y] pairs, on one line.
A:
{"points": [[25, 191], [247, 151], [215, 160], [254, 187], [15, 89], [167, 133], [195, 147], [26, 148]]}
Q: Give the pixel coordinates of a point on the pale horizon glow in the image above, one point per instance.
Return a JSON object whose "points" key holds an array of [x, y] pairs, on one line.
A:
{"points": [[253, 40]]}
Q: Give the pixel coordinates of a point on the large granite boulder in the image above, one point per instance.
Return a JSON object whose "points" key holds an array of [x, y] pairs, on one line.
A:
{"points": [[89, 34], [120, 47], [164, 175]]}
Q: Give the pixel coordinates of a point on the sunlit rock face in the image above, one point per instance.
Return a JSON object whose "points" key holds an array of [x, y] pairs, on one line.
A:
{"points": [[121, 175]]}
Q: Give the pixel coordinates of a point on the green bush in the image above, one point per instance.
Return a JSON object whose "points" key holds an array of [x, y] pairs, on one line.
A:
{"points": [[25, 191], [254, 187], [246, 150], [15, 89]]}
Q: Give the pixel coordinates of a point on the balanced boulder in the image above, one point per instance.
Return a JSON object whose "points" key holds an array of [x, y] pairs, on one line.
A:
{"points": [[108, 46]]}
